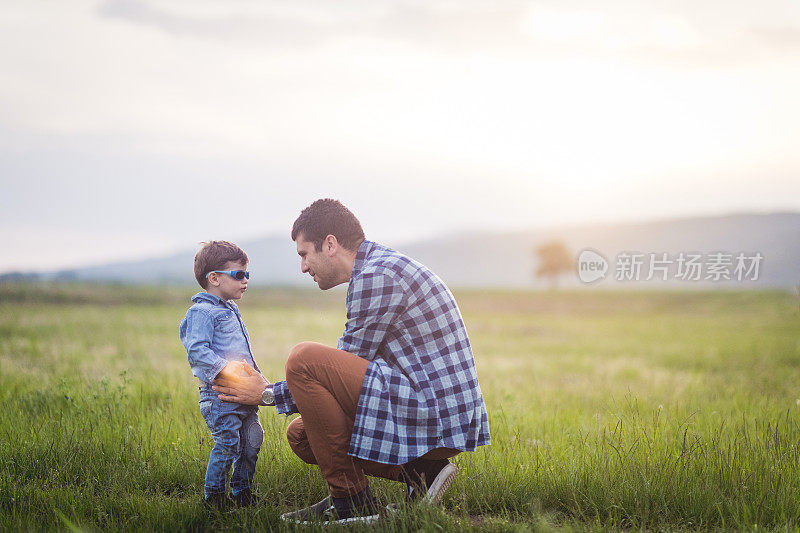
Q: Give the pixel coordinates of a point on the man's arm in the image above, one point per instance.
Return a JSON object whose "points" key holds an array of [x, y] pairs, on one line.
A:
{"points": [[284, 403], [377, 302], [245, 389], [368, 319], [249, 390]]}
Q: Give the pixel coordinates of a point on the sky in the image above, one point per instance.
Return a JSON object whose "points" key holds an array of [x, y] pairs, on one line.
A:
{"points": [[133, 128]]}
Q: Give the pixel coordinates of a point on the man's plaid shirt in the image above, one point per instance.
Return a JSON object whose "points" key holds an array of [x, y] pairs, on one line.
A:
{"points": [[421, 390]]}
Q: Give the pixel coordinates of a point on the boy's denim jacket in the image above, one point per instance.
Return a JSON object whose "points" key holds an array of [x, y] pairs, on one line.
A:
{"points": [[214, 334]]}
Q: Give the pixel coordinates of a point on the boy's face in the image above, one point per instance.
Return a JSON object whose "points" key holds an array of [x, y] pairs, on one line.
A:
{"points": [[225, 286]]}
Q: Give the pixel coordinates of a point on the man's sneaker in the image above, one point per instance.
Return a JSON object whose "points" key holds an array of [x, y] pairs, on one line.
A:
{"points": [[312, 513], [358, 508], [427, 480], [218, 501], [247, 498]]}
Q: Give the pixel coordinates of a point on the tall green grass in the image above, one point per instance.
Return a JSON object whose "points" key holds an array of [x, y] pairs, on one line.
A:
{"points": [[608, 410]]}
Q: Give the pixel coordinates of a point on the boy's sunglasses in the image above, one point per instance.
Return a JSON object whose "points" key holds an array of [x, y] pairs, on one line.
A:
{"points": [[235, 274]]}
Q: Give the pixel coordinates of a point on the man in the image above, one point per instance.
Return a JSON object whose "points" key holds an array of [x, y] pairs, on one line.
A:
{"points": [[397, 398]]}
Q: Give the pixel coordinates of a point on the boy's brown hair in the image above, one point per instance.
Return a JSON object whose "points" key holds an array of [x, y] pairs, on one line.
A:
{"points": [[213, 256]]}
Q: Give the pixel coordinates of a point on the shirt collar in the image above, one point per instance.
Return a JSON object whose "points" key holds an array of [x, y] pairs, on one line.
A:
{"points": [[216, 300], [363, 251]]}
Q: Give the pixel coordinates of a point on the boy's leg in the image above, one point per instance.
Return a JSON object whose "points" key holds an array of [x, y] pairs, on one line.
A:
{"points": [[224, 428], [251, 435]]}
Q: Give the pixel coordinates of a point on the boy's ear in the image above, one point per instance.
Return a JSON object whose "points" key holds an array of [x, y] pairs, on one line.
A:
{"points": [[213, 279]]}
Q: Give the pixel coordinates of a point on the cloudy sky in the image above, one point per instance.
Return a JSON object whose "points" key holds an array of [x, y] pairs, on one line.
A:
{"points": [[137, 127]]}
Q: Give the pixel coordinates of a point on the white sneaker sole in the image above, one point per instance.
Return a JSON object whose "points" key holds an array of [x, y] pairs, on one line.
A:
{"points": [[287, 517], [354, 520], [440, 484], [437, 489]]}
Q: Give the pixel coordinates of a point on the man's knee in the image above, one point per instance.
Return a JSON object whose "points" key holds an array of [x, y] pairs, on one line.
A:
{"points": [[298, 359], [298, 441], [296, 432]]}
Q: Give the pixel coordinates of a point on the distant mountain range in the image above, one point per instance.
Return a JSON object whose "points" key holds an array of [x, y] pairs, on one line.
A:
{"points": [[508, 259]]}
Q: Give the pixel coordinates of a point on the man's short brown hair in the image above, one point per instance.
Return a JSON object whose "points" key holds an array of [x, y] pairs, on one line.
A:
{"points": [[328, 217], [214, 255]]}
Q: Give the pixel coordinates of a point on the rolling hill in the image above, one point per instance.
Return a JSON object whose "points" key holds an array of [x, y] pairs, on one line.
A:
{"points": [[507, 259]]}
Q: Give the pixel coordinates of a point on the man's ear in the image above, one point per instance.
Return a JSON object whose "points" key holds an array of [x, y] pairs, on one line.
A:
{"points": [[330, 245]]}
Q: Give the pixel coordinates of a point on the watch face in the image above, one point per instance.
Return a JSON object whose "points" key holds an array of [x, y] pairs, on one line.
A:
{"points": [[267, 397]]}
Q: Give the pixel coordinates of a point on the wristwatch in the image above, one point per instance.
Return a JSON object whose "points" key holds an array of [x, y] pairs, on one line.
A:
{"points": [[267, 398]]}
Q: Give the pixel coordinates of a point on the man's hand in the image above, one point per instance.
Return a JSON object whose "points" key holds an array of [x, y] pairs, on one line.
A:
{"points": [[242, 384], [232, 371]]}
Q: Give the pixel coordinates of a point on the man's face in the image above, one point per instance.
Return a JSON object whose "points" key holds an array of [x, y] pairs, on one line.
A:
{"points": [[317, 264]]}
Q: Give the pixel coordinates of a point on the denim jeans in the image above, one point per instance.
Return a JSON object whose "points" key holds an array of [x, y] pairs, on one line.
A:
{"points": [[237, 439]]}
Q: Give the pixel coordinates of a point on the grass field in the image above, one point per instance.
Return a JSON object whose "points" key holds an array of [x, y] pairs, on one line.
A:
{"points": [[608, 410]]}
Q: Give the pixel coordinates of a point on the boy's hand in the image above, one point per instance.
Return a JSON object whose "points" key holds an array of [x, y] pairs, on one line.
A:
{"points": [[244, 386]]}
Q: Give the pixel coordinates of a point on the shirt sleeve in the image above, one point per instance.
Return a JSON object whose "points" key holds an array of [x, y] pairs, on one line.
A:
{"points": [[284, 403], [375, 304], [197, 332]]}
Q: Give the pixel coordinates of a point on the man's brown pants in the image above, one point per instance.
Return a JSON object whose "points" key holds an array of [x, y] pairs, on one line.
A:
{"points": [[325, 384]]}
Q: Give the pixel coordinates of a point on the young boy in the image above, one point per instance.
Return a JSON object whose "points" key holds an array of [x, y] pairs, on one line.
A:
{"points": [[216, 342]]}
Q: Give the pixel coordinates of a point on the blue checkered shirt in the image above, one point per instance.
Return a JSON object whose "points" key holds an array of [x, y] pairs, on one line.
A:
{"points": [[421, 390]]}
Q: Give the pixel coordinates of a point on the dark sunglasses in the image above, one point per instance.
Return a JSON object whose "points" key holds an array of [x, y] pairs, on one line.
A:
{"points": [[235, 274]]}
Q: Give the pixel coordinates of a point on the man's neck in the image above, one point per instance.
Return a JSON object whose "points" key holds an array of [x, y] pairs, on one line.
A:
{"points": [[349, 260]]}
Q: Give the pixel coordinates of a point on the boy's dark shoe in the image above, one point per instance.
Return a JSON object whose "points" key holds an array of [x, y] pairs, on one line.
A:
{"points": [[427, 480], [247, 498], [358, 508], [218, 501]]}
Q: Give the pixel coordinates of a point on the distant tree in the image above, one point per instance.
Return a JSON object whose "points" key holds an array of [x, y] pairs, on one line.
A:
{"points": [[554, 259]]}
